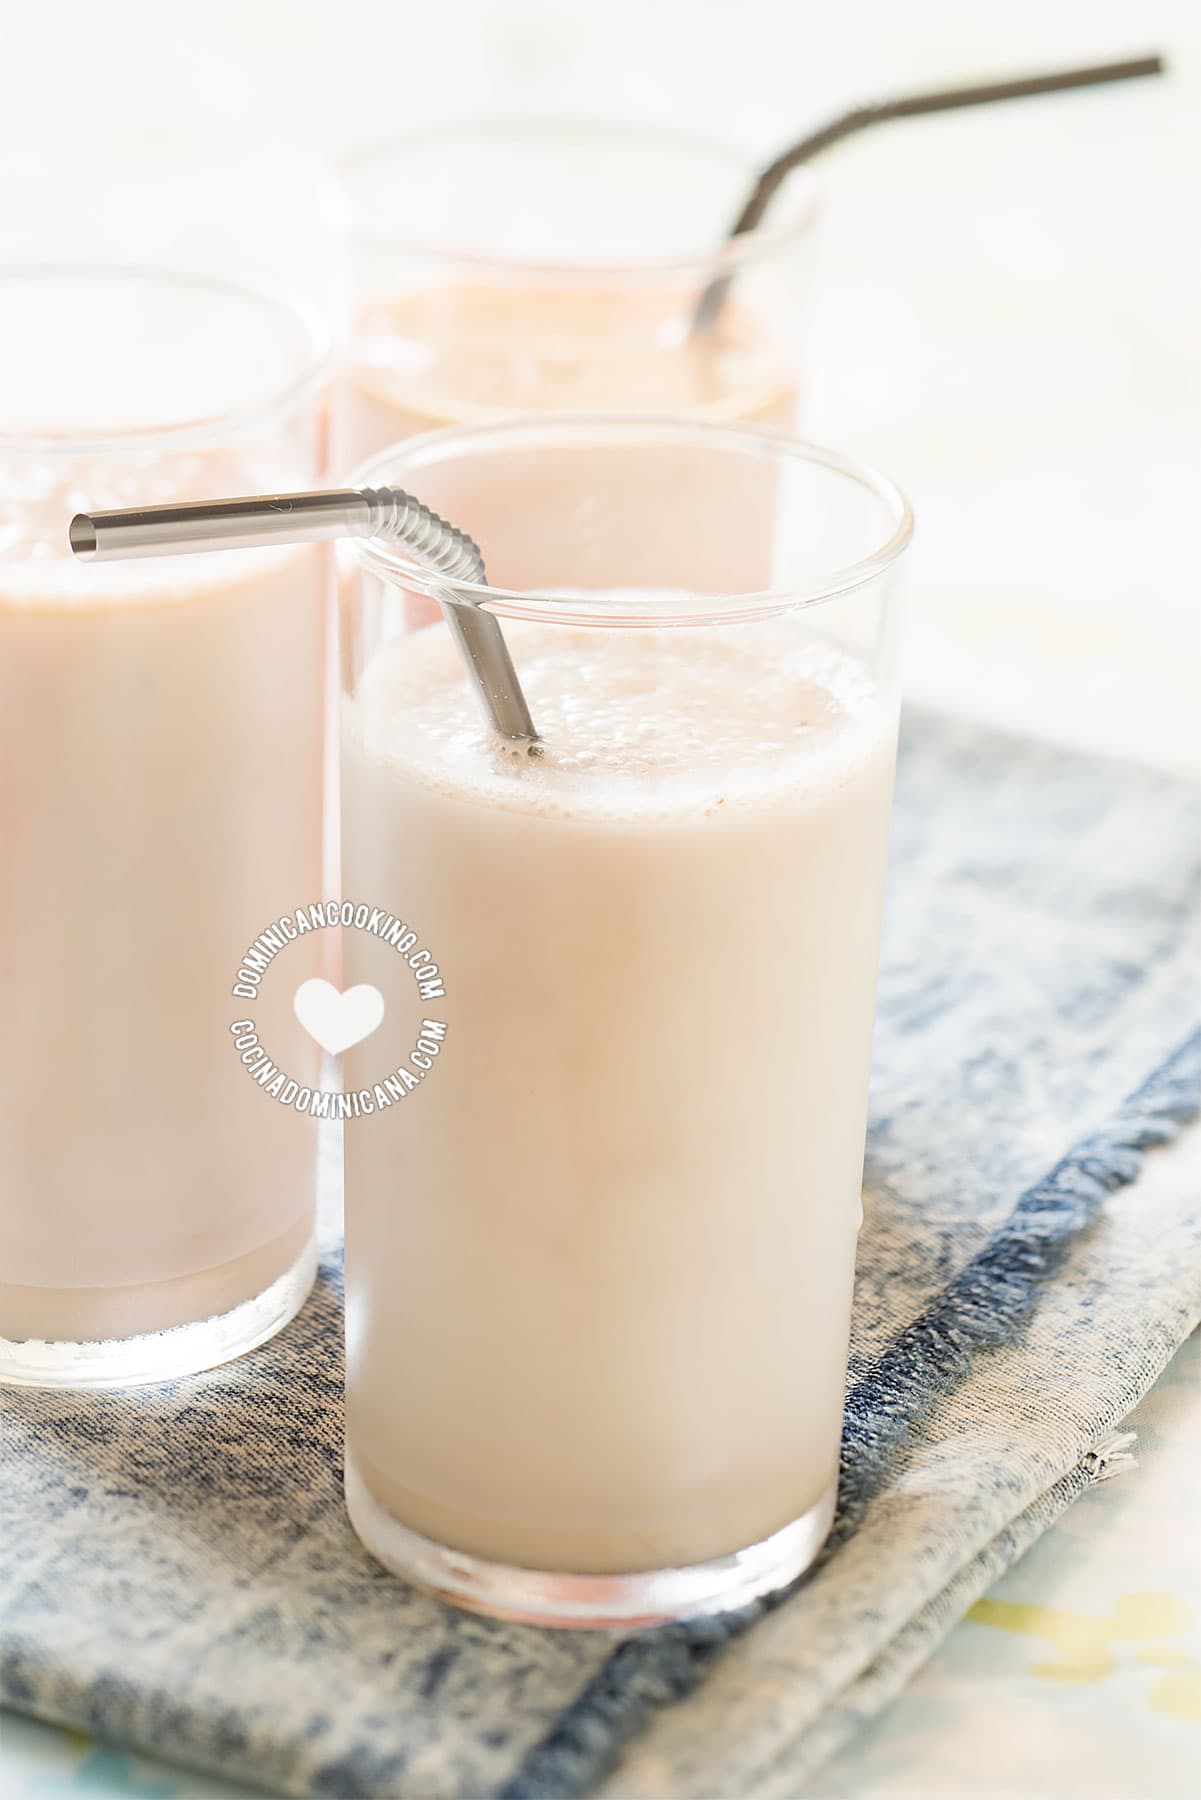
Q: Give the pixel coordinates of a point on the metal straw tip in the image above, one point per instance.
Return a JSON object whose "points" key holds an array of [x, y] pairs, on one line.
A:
{"points": [[83, 536]]}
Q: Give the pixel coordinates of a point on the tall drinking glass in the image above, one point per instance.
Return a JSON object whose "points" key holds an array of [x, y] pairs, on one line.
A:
{"points": [[161, 748], [603, 1177], [548, 266]]}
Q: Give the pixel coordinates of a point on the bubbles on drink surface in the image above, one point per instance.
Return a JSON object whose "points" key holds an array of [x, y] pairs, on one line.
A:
{"points": [[650, 718]]}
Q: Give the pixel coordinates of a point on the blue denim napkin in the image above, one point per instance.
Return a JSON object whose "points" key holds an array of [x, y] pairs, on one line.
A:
{"points": [[176, 1570]]}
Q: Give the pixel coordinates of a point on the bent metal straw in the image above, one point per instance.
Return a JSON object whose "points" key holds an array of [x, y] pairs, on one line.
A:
{"points": [[333, 513], [908, 106]]}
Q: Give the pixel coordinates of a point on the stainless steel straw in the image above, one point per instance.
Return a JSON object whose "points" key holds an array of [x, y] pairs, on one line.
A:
{"points": [[907, 106], [386, 513]]}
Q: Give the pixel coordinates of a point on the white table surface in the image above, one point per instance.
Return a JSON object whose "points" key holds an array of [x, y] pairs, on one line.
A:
{"points": [[1008, 323]]}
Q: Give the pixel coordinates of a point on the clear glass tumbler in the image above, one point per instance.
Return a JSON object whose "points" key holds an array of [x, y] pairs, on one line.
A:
{"points": [[161, 774], [603, 1185], [548, 266]]}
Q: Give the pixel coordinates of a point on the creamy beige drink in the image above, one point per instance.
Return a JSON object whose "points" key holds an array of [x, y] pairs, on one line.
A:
{"points": [[161, 772], [599, 1265], [160, 736], [554, 266], [456, 354]]}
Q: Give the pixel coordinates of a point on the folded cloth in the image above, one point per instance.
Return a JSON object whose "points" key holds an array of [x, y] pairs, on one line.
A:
{"points": [[176, 1570]]}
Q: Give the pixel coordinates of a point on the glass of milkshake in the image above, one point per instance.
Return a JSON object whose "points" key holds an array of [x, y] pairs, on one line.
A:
{"points": [[161, 756], [603, 1197], [554, 266]]}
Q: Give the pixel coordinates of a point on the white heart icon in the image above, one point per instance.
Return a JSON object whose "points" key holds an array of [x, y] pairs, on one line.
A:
{"points": [[338, 1021]]}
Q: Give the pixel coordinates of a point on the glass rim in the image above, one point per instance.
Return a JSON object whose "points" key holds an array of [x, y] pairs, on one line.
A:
{"points": [[399, 462], [315, 362], [710, 261]]}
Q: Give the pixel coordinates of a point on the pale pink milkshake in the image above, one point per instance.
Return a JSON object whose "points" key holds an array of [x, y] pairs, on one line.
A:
{"points": [[634, 1169], [161, 767], [553, 266], [599, 1258], [465, 353]]}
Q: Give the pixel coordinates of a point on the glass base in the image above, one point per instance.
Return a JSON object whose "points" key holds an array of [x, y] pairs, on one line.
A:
{"points": [[596, 1602], [162, 1355]]}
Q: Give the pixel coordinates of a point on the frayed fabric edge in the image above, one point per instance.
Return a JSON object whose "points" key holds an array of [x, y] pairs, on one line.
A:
{"points": [[1113, 1456]]}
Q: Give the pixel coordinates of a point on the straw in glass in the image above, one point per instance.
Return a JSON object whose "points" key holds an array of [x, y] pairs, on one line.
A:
{"points": [[383, 512], [908, 106]]}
